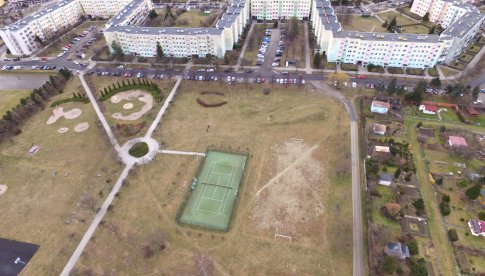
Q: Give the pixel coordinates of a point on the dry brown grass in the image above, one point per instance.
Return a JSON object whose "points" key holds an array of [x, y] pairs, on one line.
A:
{"points": [[262, 126], [37, 205]]}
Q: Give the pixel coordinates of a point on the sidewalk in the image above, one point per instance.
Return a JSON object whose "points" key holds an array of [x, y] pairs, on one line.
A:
{"points": [[243, 50]]}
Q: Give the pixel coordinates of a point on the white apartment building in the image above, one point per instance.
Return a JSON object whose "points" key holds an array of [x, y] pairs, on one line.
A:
{"points": [[461, 21], [280, 9], [177, 42], [443, 12], [20, 36], [390, 49]]}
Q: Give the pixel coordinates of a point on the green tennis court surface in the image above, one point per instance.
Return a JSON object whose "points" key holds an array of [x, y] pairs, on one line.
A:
{"points": [[215, 192]]}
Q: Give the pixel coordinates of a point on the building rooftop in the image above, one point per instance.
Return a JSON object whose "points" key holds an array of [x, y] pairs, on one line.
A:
{"points": [[121, 15], [386, 177], [380, 104], [26, 20], [397, 249], [461, 26], [379, 128], [164, 30], [457, 141]]}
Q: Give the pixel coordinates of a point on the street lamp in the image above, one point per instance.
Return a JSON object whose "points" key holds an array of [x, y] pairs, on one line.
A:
{"points": [[19, 261]]}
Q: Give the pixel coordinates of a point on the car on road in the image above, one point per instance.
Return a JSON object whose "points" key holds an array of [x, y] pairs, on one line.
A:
{"points": [[121, 67], [201, 70], [274, 64], [127, 74], [361, 77], [210, 70], [35, 67], [6, 59], [354, 85], [140, 75], [249, 71]]}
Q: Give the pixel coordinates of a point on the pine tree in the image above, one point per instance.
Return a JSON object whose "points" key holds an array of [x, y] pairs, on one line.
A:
{"points": [[432, 30], [385, 24]]}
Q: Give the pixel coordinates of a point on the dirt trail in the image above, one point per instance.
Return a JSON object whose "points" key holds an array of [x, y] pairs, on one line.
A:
{"points": [[304, 156]]}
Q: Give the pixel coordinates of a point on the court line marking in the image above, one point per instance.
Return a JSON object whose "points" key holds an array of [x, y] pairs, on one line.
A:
{"points": [[233, 173], [203, 189]]}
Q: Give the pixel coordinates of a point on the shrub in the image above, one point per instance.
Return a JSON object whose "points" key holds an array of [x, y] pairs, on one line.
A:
{"points": [[481, 215], [473, 192], [151, 88], [397, 173], [418, 267], [445, 208], [419, 125], [204, 104], [445, 198], [452, 235], [419, 204], [413, 247], [82, 99], [139, 149], [389, 264]]}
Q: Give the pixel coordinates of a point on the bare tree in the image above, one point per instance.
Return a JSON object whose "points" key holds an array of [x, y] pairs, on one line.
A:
{"points": [[203, 265], [88, 202]]}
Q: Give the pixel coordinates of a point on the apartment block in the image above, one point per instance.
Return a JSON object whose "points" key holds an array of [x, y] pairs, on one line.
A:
{"points": [[20, 37], [443, 12], [280, 9], [175, 41]]}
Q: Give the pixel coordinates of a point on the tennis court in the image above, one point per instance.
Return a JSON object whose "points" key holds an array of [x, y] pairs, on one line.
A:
{"points": [[215, 191]]}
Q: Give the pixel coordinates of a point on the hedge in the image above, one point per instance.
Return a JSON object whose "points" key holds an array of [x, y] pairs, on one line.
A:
{"points": [[74, 99], [149, 87], [204, 104]]}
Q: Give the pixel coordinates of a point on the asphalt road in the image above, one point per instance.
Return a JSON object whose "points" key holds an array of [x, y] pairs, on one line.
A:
{"points": [[19, 82]]}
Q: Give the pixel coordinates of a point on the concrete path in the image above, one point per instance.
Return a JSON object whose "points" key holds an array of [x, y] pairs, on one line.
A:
{"points": [[308, 66], [163, 109], [176, 152], [243, 50], [358, 238], [97, 219], [100, 114]]}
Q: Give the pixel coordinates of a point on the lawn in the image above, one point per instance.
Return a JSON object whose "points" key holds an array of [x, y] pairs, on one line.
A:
{"points": [[433, 72], [42, 203], [11, 99], [449, 115], [190, 19], [387, 196], [363, 24], [57, 45], [262, 126], [466, 58], [401, 20], [448, 71]]}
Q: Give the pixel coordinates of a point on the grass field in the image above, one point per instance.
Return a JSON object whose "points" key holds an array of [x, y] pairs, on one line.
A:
{"points": [[11, 99], [448, 71], [295, 50], [211, 203], [254, 43], [401, 20], [189, 19], [364, 24], [304, 189], [43, 202]]}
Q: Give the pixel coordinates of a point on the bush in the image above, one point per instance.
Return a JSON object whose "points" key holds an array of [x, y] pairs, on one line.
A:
{"points": [[445, 198], [481, 215], [389, 265], [149, 87], [419, 204], [452, 235], [413, 247], [82, 99], [473, 192], [445, 208], [418, 267], [420, 124], [204, 104], [139, 149]]}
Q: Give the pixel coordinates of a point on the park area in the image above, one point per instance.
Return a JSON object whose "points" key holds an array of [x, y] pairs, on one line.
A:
{"points": [[408, 25], [133, 107], [296, 186], [56, 175]]}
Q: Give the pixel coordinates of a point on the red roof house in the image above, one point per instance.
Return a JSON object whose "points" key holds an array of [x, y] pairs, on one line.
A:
{"points": [[428, 109], [457, 141], [471, 111]]}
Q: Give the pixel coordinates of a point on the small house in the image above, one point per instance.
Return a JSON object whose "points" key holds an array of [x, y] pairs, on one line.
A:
{"points": [[379, 107], [457, 141], [379, 129], [471, 111], [381, 149], [482, 196], [397, 250], [477, 227], [428, 109], [385, 179]]}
